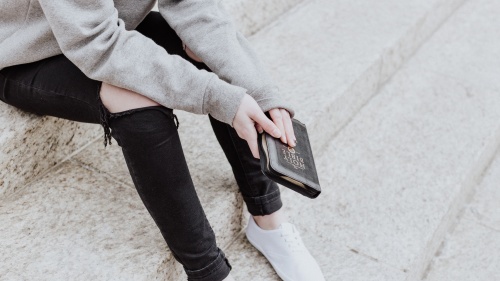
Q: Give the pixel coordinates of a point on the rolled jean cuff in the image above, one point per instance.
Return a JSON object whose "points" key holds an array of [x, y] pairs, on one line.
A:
{"points": [[217, 270], [265, 204]]}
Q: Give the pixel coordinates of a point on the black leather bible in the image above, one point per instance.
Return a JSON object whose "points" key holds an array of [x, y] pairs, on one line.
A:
{"points": [[291, 167]]}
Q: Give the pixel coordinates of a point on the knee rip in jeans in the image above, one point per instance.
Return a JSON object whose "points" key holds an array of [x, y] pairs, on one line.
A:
{"points": [[106, 115]]}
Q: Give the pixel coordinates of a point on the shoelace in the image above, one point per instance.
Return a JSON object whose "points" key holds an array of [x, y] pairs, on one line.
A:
{"points": [[292, 238]]}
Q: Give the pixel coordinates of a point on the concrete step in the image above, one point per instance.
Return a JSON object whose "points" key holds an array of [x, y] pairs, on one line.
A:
{"points": [[31, 145], [331, 57], [335, 25], [471, 250], [351, 58], [397, 176], [337, 262], [75, 224], [250, 16]]}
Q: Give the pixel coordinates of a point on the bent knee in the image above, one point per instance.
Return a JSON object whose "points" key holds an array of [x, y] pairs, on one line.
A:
{"points": [[117, 99]]}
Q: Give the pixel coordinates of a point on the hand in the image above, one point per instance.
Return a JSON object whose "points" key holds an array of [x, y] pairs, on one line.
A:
{"points": [[248, 116], [282, 119]]}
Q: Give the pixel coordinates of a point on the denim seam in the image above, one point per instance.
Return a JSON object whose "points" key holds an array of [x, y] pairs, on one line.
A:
{"points": [[47, 91], [207, 266], [219, 262], [263, 210], [102, 113], [264, 199]]}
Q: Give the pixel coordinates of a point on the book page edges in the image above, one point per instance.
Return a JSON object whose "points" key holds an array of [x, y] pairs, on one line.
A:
{"points": [[278, 168]]}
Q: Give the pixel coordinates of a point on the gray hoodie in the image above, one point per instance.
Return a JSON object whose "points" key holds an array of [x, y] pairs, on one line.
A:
{"points": [[98, 37]]}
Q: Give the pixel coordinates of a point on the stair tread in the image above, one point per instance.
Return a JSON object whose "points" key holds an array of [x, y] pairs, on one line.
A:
{"points": [[362, 49], [252, 15], [471, 253], [52, 208], [28, 145], [74, 225], [329, 57], [337, 262], [475, 241], [391, 176], [396, 175]]}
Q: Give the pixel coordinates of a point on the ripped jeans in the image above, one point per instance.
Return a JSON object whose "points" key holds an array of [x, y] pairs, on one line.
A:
{"points": [[151, 146]]}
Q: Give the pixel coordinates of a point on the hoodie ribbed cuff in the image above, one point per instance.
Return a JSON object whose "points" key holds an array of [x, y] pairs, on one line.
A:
{"points": [[268, 98], [222, 100]]}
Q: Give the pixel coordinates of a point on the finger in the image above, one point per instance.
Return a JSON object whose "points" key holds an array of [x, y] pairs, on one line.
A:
{"points": [[278, 120], [260, 118], [259, 128], [251, 139], [287, 123]]}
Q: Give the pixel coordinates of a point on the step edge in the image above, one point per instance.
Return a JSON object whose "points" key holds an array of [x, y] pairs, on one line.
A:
{"points": [[467, 190], [328, 112]]}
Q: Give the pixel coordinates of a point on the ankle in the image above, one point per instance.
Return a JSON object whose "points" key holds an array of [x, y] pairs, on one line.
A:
{"points": [[271, 221]]}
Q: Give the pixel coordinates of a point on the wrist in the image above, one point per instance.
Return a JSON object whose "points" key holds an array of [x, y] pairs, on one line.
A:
{"points": [[222, 100]]}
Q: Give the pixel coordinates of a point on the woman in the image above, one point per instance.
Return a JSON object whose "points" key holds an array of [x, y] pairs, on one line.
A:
{"points": [[120, 65]]}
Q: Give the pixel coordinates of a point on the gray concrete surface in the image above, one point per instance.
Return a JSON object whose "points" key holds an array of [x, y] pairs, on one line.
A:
{"points": [[398, 175], [470, 252], [399, 161]]}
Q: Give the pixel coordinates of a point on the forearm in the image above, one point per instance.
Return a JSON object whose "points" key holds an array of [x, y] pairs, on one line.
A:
{"points": [[208, 31], [96, 41]]}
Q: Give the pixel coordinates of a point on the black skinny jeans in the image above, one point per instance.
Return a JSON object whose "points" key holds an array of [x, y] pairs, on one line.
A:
{"points": [[152, 149]]}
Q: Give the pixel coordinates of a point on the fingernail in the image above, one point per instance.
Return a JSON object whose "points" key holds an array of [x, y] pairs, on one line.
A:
{"points": [[293, 142], [261, 131], [284, 139], [276, 133]]}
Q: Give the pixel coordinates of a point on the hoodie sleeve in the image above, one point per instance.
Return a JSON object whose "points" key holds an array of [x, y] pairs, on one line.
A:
{"points": [[91, 35], [208, 31]]}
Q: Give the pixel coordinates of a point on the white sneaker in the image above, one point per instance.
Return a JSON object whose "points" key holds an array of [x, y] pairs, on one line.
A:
{"points": [[286, 252]]}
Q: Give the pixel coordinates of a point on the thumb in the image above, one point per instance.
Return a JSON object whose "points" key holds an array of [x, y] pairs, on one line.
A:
{"points": [[266, 124]]}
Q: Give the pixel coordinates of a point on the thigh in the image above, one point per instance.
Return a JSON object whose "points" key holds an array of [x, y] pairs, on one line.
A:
{"points": [[53, 86]]}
